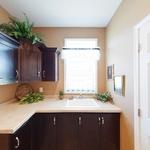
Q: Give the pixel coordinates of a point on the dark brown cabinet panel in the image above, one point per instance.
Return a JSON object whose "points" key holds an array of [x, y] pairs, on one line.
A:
{"points": [[50, 64], [67, 132], [110, 131], [29, 64], [44, 131], [20, 140], [89, 135], [8, 59], [77, 131]]}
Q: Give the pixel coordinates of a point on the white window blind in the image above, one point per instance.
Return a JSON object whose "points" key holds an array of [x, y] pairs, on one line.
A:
{"points": [[80, 74]]}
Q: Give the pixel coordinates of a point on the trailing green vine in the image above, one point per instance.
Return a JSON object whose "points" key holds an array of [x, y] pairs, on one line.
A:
{"points": [[32, 98]]}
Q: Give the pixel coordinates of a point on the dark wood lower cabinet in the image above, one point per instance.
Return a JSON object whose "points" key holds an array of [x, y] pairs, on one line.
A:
{"points": [[20, 140], [66, 131], [89, 137], [78, 131], [110, 132], [44, 131]]}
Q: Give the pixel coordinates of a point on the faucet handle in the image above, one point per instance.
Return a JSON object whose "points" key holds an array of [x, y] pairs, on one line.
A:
{"points": [[81, 95], [71, 97]]}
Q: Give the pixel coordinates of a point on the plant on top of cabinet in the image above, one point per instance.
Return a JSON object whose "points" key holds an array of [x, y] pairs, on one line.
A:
{"points": [[20, 29]]}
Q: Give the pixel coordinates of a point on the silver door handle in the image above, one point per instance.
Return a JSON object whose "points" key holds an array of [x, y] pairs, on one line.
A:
{"points": [[39, 73], [80, 120], [54, 121], [18, 143], [43, 73], [17, 74], [103, 121], [99, 120]]}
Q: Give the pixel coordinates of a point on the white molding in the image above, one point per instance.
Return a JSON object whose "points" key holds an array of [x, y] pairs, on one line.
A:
{"points": [[136, 91], [136, 83]]}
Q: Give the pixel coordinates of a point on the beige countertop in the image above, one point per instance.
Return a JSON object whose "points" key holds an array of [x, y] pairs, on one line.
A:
{"points": [[13, 115]]}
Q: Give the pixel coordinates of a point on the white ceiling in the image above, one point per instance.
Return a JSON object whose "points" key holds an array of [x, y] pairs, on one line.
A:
{"points": [[64, 13]]}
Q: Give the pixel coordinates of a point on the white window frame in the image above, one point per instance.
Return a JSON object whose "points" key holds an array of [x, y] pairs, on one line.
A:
{"points": [[96, 69]]}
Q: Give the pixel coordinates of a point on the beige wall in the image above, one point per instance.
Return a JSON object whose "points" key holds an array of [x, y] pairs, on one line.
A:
{"points": [[54, 37], [4, 16], [120, 53], [6, 91]]}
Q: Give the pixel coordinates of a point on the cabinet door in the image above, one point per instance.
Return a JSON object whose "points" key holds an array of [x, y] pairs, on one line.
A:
{"points": [[21, 140], [110, 131], [29, 63], [50, 64], [34, 65], [89, 126], [8, 61], [44, 132], [67, 131]]}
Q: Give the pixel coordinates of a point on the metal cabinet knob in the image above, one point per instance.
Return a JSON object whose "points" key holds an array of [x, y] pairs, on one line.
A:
{"points": [[99, 120], [80, 120], [17, 74], [43, 74], [39, 74], [17, 143], [54, 121], [103, 121]]}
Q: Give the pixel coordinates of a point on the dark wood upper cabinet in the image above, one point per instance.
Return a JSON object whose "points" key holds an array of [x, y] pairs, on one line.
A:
{"points": [[8, 59], [50, 64], [29, 62]]}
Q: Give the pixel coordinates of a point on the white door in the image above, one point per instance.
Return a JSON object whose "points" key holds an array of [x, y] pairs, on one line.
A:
{"points": [[144, 82]]}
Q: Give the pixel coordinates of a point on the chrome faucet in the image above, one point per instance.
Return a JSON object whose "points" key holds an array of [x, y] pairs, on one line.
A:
{"points": [[81, 95]]}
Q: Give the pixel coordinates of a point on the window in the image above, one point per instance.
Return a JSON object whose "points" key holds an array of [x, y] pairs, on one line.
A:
{"points": [[80, 62]]}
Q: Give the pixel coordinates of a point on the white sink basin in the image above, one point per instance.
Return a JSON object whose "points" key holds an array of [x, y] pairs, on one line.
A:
{"points": [[81, 103]]}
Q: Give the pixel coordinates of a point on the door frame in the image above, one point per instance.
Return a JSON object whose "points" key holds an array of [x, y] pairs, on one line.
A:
{"points": [[136, 82]]}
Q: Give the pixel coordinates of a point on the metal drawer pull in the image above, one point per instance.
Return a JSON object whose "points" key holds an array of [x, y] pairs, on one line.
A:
{"points": [[103, 121], [80, 121], [18, 143], [17, 74], [43, 73], [54, 121], [39, 74], [99, 120]]}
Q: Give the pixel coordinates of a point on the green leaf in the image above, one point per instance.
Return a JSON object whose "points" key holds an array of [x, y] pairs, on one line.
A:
{"points": [[32, 98], [21, 29]]}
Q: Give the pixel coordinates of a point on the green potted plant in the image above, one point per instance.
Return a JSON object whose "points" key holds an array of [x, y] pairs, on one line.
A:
{"points": [[104, 97], [61, 95], [21, 30]]}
